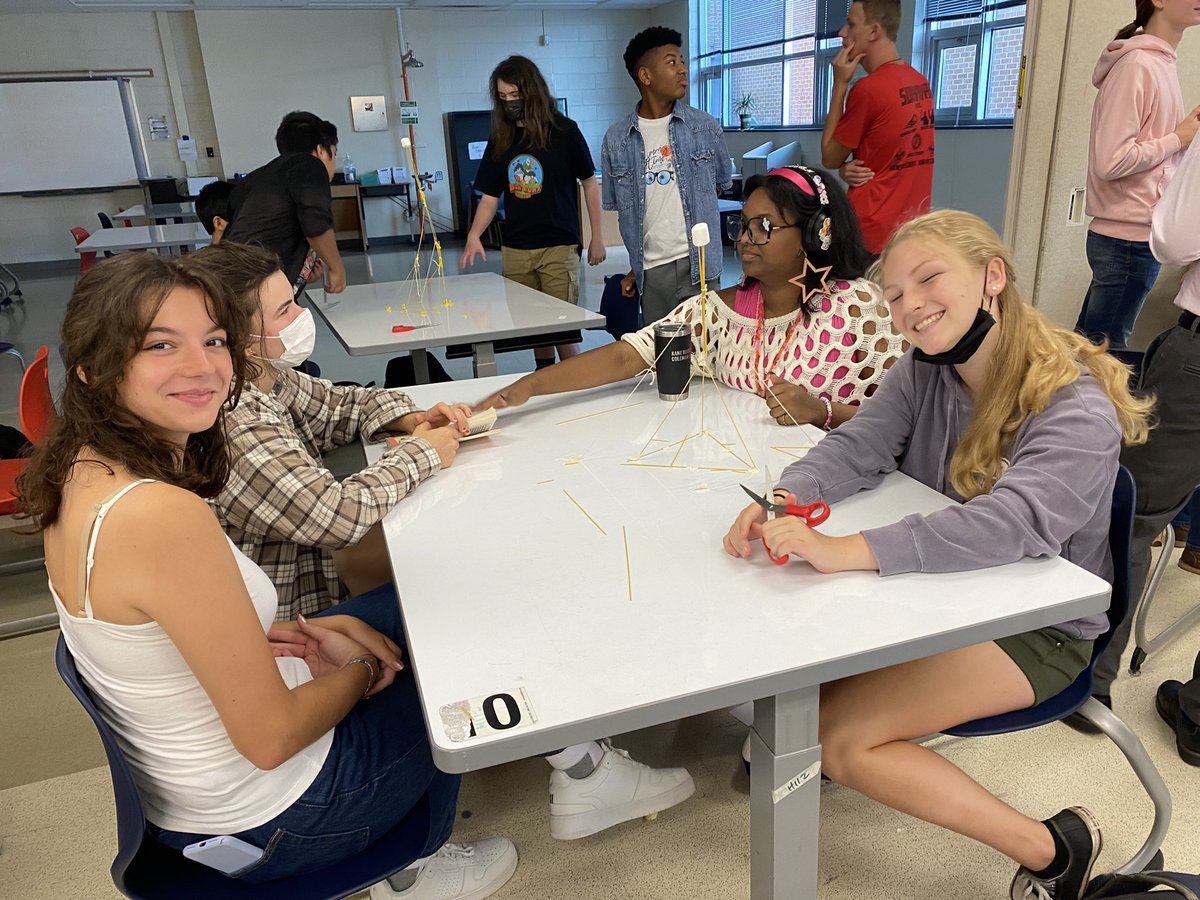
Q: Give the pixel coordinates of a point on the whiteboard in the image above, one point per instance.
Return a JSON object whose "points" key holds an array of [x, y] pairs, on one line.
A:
{"points": [[63, 134]]}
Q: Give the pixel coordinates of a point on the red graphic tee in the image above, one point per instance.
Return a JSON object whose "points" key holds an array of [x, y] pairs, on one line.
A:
{"points": [[888, 124]]}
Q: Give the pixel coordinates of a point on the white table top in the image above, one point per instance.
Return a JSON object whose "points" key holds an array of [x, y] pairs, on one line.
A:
{"points": [[145, 237], [485, 307], [506, 584], [185, 211]]}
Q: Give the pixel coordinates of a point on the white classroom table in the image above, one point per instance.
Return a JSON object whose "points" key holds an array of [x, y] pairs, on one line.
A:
{"points": [[486, 308], [508, 587], [176, 212], [145, 237]]}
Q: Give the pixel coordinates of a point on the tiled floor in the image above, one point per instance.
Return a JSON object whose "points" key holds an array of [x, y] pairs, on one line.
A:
{"points": [[56, 818]]}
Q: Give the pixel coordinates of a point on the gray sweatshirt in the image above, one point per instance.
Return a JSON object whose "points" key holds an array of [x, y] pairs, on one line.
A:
{"points": [[1053, 497]]}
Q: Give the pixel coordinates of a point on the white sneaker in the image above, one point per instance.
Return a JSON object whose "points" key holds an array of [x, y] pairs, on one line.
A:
{"points": [[468, 871], [620, 789]]}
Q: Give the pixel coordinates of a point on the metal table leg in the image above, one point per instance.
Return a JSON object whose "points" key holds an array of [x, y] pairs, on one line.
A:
{"points": [[420, 366], [485, 359], [785, 794]]}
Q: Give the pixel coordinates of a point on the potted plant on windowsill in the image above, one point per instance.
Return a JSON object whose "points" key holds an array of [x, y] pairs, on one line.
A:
{"points": [[745, 110]]}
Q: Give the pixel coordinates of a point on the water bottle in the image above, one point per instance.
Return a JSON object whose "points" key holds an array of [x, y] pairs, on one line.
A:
{"points": [[351, 172]]}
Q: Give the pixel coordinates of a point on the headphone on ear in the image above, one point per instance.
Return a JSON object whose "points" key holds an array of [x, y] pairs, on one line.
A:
{"points": [[818, 230]]}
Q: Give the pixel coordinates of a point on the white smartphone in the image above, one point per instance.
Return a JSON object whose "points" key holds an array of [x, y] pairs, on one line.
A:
{"points": [[225, 853]]}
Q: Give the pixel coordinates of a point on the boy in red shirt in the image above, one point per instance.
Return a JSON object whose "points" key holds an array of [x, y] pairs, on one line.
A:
{"points": [[887, 124]]}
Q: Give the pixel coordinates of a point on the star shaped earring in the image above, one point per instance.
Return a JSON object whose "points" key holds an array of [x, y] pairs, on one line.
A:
{"points": [[821, 271]]}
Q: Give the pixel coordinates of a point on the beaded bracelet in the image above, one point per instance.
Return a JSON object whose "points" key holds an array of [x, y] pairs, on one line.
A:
{"points": [[828, 412], [370, 664]]}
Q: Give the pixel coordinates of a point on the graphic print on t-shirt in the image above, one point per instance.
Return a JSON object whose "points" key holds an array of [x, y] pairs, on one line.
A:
{"points": [[660, 166], [915, 148], [525, 176]]}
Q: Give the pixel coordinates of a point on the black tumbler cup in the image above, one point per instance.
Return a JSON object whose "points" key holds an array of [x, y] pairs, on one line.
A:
{"points": [[673, 355]]}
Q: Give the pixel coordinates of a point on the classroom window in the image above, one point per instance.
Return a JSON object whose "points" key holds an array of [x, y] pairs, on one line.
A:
{"points": [[970, 50], [777, 51]]}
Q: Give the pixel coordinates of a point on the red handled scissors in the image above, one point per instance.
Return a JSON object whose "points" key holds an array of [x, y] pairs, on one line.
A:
{"points": [[812, 514]]}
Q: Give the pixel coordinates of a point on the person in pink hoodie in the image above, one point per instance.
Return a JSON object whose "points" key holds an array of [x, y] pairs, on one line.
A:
{"points": [[1138, 130]]}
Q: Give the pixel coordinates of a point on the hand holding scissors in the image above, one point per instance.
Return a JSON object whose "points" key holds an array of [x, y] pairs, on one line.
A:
{"points": [[812, 514]]}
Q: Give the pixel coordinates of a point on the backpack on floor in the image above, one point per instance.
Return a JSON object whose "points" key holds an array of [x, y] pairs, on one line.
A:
{"points": [[13, 444], [621, 314], [1144, 886], [400, 371]]}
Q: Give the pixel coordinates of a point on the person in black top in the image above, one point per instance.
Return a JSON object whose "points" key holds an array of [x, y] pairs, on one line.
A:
{"points": [[534, 158], [284, 206]]}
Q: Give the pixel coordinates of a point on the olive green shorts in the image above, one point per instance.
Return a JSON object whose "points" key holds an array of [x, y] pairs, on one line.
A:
{"points": [[1048, 658]]}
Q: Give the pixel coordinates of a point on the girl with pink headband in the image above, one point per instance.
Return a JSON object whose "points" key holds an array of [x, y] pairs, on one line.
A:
{"points": [[804, 330]]}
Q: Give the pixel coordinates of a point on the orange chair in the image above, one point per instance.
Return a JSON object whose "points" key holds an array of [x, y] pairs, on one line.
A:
{"points": [[86, 260], [37, 418], [37, 403]]}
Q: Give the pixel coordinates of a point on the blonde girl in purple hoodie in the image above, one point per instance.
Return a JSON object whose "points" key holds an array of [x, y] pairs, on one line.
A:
{"points": [[1138, 131], [1022, 423]]}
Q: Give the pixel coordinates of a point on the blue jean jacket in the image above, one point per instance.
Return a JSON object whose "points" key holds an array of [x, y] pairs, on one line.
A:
{"points": [[696, 139]]}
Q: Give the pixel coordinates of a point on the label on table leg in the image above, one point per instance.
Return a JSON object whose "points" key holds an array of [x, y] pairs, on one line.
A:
{"points": [[796, 783], [490, 714]]}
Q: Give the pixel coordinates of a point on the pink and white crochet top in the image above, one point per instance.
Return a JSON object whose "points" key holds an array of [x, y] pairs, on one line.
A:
{"points": [[842, 351]]}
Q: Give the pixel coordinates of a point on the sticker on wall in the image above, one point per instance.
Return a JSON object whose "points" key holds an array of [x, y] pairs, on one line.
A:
{"points": [[368, 113], [158, 128], [478, 717], [408, 112]]}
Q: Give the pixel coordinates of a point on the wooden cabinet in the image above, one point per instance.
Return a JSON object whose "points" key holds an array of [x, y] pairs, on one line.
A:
{"points": [[348, 219]]}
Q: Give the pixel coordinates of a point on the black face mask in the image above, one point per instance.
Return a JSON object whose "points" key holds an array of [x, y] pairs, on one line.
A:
{"points": [[967, 344], [514, 110]]}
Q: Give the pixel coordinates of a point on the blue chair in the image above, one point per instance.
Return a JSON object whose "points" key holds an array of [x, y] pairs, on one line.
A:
{"points": [[1078, 697], [144, 868]]}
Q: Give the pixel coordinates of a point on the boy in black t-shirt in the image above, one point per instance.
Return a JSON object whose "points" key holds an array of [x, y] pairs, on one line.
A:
{"points": [[534, 158], [284, 206]]}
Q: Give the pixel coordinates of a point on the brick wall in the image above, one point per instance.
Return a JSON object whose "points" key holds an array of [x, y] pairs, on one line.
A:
{"points": [[1005, 71]]}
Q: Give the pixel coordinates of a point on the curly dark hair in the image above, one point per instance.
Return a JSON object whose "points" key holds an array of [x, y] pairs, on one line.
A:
{"points": [[847, 254], [108, 316], [645, 41]]}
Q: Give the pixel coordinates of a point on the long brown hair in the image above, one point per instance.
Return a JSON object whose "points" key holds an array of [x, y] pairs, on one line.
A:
{"points": [[108, 316], [1032, 360], [541, 115], [1145, 9]]}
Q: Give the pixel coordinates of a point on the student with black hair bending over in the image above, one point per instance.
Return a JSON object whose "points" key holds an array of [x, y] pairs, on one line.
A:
{"points": [[805, 330], [286, 207], [231, 724], [1022, 423]]}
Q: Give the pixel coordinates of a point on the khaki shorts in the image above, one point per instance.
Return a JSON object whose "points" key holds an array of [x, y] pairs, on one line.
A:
{"points": [[1048, 658], [551, 270]]}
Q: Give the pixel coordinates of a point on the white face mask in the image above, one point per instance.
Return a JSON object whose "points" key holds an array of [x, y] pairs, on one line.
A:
{"points": [[299, 338]]}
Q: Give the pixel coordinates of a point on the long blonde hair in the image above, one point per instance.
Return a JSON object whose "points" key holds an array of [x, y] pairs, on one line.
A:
{"points": [[1033, 358]]}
